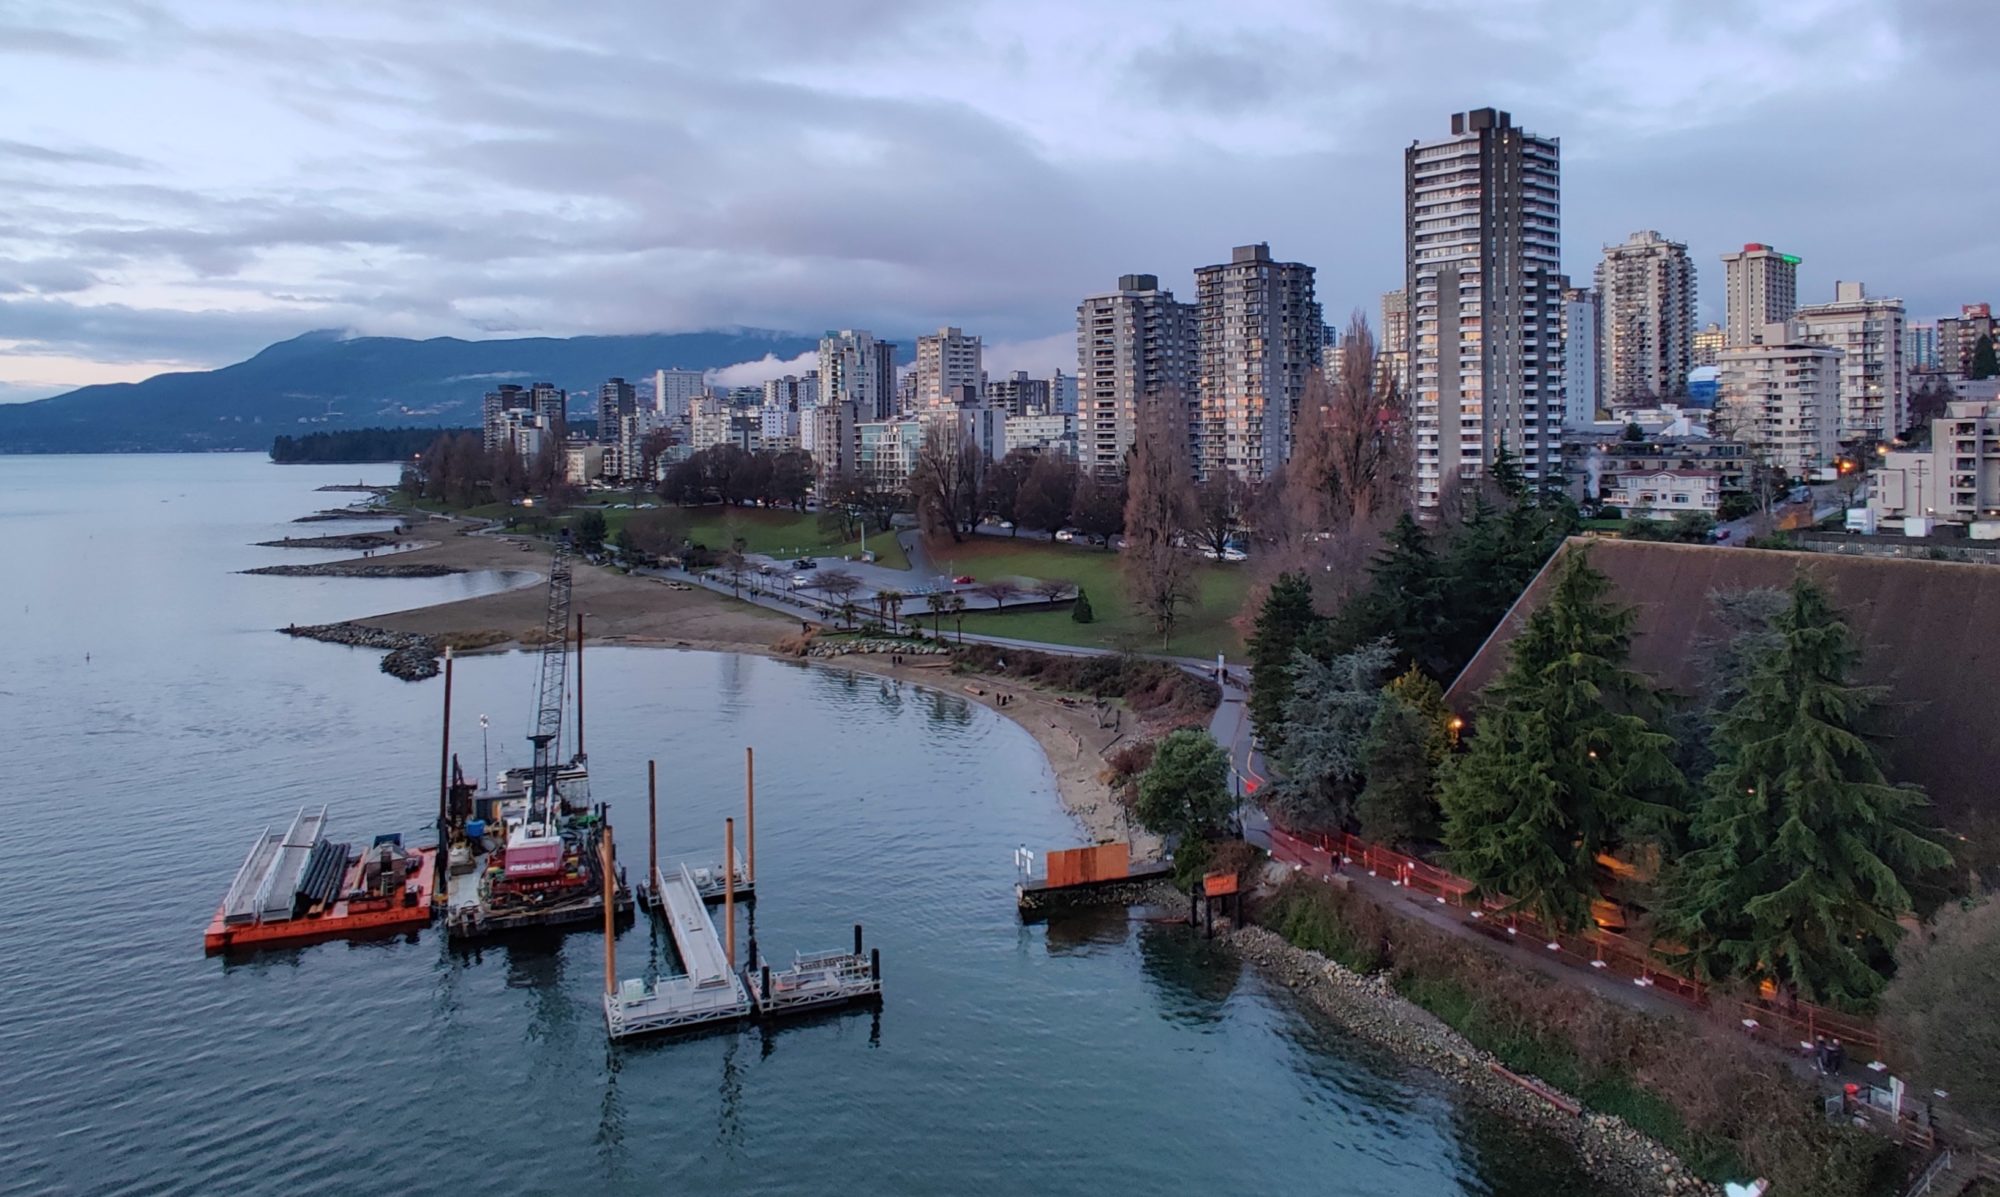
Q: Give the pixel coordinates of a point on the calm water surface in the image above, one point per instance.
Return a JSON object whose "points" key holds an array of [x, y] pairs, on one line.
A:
{"points": [[157, 724]]}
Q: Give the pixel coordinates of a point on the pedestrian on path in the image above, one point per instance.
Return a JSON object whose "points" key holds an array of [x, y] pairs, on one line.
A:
{"points": [[1836, 1057]]}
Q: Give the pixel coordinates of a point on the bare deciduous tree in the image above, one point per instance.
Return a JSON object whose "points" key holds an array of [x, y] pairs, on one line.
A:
{"points": [[999, 590], [945, 480], [1159, 511], [1222, 506], [1052, 589]]}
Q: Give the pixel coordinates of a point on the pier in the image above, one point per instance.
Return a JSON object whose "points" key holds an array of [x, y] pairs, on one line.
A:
{"points": [[1097, 876], [713, 991]]}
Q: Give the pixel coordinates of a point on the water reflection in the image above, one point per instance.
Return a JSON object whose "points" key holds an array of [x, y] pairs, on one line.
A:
{"points": [[1087, 930], [1194, 978]]}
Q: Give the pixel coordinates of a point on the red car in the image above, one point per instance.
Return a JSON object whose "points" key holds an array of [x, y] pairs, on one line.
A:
{"points": [[962, 580]]}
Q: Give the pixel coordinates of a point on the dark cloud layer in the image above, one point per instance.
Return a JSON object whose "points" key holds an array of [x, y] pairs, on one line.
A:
{"points": [[217, 175]]}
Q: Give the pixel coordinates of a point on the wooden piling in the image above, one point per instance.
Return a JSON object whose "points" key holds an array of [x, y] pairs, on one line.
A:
{"points": [[579, 684], [729, 890], [749, 811], [653, 828], [444, 758], [605, 857]]}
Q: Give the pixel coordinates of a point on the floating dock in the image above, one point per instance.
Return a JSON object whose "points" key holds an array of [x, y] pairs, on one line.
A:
{"points": [[713, 992], [710, 992], [297, 887], [710, 884]]}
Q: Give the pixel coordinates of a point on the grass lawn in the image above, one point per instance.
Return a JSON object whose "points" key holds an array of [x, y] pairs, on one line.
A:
{"points": [[1204, 630], [777, 532]]}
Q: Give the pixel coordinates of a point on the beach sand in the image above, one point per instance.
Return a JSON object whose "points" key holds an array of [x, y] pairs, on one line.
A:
{"points": [[638, 611]]}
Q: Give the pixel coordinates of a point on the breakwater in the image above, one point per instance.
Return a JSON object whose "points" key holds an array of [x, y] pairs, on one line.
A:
{"points": [[411, 656], [359, 569], [1608, 1148]]}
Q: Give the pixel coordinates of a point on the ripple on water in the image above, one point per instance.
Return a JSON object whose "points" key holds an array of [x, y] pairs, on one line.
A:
{"points": [[1067, 1058]]}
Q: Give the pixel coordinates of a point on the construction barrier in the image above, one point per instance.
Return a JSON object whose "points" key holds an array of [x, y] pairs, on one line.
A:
{"points": [[1080, 866], [1789, 1025]]}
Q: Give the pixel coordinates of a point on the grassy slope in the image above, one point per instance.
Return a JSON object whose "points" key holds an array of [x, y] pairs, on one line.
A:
{"points": [[1204, 630], [780, 533]]}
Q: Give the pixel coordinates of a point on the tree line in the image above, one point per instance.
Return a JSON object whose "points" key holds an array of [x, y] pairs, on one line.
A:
{"points": [[354, 444], [456, 468], [1785, 854]]}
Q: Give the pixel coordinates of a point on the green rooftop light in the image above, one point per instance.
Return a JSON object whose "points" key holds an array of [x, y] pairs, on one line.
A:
{"points": [[1793, 259]]}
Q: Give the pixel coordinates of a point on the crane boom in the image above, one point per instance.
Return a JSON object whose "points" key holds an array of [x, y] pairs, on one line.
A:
{"points": [[547, 734]]}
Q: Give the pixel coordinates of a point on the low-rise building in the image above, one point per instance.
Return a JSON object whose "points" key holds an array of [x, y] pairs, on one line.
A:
{"points": [[1621, 472], [1054, 432], [1667, 492], [1955, 478], [583, 463], [885, 451]]}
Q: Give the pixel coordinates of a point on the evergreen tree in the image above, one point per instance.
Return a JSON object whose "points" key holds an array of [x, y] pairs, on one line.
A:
{"points": [[1286, 615], [1407, 744], [1185, 791], [1985, 363], [1803, 852], [1327, 718], [1079, 610], [1557, 772], [1404, 601]]}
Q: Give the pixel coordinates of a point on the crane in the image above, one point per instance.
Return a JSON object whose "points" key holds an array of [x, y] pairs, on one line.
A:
{"points": [[543, 802]]}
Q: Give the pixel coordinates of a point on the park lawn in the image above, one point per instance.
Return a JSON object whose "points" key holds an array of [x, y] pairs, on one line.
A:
{"points": [[777, 532], [1205, 629]]}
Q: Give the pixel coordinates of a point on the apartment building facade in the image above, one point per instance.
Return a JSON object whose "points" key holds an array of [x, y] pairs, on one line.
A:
{"points": [[1483, 247], [1874, 376], [1135, 346], [1259, 333], [1645, 289], [1780, 395]]}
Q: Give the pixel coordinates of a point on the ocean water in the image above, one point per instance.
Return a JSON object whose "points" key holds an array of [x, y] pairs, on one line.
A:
{"points": [[157, 723]]}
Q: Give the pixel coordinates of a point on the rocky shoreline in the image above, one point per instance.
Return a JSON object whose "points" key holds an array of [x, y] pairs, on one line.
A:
{"points": [[353, 541], [907, 648], [410, 656], [358, 569], [1609, 1149], [347, 513]]}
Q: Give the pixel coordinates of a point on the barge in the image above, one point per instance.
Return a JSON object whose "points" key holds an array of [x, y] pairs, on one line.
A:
{"points": [[297, 887]]}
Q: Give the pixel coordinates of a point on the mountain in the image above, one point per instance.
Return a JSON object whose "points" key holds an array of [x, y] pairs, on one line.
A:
{"points": [[326, 379]]}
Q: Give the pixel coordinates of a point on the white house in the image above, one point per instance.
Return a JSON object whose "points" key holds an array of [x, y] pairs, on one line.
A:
{"points": [[1666, 492]]}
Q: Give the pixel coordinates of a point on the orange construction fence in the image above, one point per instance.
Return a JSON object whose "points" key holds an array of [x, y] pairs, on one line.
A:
{"points": [[1787, 1024]]}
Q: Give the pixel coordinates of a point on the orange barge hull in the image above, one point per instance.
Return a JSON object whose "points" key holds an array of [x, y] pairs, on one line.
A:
{"points": [[339, 920]]}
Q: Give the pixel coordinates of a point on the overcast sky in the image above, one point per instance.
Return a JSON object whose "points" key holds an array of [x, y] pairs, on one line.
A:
{"points": [[183, 183]]}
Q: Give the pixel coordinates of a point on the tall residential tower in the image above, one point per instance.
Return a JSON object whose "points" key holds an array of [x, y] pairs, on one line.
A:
{"points": [[1761, 288], [1483, 242], [1134, 346], [1645, 290], [947, 362], [1258, 335], [856, 368]]}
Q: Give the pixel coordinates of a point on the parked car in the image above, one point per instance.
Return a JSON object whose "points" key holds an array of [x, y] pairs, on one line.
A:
{"points": [[802, 579], [1006, 525], [805, 563], [1066, 534], [962, 580]]}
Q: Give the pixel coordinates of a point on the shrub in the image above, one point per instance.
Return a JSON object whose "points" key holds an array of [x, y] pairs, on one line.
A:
{"points": [[1080, 609]]}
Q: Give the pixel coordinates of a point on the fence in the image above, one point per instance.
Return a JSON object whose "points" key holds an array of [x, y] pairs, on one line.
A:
{"points": [[1787, 1025]]}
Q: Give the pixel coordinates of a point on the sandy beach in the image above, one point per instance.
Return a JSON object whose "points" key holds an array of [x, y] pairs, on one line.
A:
{"points": [[638, 611]]}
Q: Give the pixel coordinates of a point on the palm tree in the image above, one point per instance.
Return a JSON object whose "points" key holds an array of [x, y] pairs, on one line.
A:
{"points": [[958, 612], [847, 613], [892, 609], [937, 603]]}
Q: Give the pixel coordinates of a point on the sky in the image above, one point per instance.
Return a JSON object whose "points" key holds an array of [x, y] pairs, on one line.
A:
{"points": [[184, 183]]}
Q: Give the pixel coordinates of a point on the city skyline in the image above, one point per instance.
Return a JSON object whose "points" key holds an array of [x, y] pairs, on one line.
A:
{"points": [[465, 204]]}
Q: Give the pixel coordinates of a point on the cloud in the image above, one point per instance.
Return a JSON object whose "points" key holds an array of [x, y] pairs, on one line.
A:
{"points": [[490, 376], [764, 369], [416, 170], [1040, 357]]}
